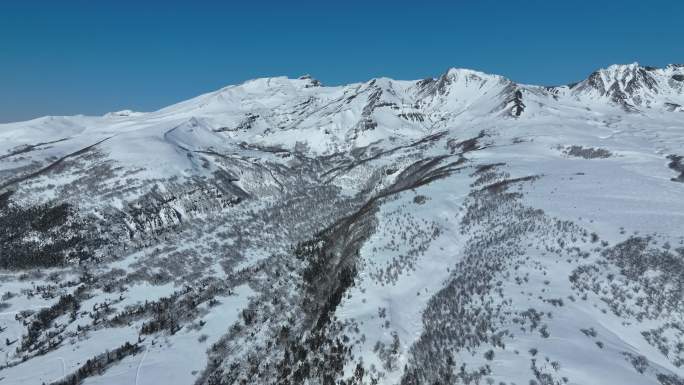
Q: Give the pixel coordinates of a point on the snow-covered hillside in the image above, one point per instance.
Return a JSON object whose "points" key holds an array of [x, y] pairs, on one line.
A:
{"points": [[464, 229]]}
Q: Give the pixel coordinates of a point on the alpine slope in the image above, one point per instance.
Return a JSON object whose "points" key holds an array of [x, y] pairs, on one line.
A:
{"points": [[463, 229]]}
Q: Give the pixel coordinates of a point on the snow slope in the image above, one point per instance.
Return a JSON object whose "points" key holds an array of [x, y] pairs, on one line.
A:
{"points": [[457, 229]]}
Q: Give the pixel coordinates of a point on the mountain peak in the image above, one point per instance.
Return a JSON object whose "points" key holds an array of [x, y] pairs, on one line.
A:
{"points": [[456, 73], [622, 67], [312, 82], [632, 85]]}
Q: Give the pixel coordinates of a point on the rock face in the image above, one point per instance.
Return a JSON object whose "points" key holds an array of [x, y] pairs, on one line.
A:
{"points": [[457, 229]]}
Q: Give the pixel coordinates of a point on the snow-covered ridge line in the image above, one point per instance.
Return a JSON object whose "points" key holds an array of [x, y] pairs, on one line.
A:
{"points": [[613, 84], [302, 113]]}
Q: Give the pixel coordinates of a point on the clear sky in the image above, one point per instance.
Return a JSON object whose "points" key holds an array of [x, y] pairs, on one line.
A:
{"points": [[64, 57]]}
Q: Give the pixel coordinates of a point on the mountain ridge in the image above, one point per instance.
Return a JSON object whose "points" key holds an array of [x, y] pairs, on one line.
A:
{"points": [[673, 71]]}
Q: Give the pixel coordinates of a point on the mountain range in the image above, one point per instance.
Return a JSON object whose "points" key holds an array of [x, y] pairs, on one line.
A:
{"points": [[463, 229]]}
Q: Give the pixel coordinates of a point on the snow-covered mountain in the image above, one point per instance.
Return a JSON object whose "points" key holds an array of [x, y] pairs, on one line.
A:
{"points": [[633, 86], [459, 229]]}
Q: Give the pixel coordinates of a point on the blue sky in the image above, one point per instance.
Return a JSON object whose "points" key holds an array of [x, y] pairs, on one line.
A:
{"points": [[67, 57]]}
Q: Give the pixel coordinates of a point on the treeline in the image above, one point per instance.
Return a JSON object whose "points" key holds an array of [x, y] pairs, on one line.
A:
{"points": [[43, 235], [171, 313], [43, 321], [98, 364]]}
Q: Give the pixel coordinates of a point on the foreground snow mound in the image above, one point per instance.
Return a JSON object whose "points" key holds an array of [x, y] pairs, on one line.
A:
{"points": [[457, 229]]}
